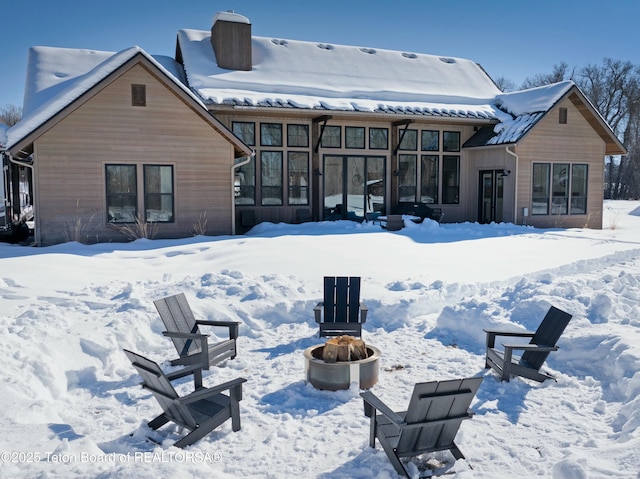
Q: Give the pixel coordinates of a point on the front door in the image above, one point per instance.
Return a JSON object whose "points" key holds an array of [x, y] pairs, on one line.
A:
{"points": [[491, 196], [353, 186]]}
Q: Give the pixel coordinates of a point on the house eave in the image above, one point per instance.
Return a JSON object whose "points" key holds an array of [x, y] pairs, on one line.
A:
{"points": [[347, 115]]}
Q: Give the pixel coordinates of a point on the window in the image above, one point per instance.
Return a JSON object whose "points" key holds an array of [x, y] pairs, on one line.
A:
{"points": [[354, 137], [429, 178], [540, 193], [138, 95], [298, 135], [271, 176], [450, 179], [270, 134], [122, 193], [378, 138], [158, 193], [298, 174], [579, 175], [559, 189], [245, 131], [562, 116], [430, 140], [331, 137], [409, 139], [450, 141], [245, 183], [407, 177]]}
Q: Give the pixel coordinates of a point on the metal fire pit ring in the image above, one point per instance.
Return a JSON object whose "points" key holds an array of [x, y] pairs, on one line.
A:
{"points": [[340, 375]]}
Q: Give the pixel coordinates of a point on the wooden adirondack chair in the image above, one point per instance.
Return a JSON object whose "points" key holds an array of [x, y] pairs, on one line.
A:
{"points": [[184, 330], [430, 424], [543, 341], [200, 412], [343, 311]]}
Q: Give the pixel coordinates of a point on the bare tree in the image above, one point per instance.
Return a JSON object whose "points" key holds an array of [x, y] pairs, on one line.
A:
{"points": [[614, 89], [560, 73], [505, 84], [10, 115]]}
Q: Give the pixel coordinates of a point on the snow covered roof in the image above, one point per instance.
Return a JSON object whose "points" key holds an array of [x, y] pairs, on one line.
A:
{"points": [[527, 107], [306, 75], [300, 74], [58, 76]]}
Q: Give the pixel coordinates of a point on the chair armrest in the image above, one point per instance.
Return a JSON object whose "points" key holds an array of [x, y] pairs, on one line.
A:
{"points": [[363, 312], [232, 325], [492, 333], [530, 347], [212, 391], [186, 371], [176, 334], [318, 312], [372, 404]]}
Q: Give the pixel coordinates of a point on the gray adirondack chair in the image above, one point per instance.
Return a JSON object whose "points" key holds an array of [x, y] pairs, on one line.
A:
{"points": [[344, 314], [199, 412], [184, 330], [543, 341], [430, 424]]}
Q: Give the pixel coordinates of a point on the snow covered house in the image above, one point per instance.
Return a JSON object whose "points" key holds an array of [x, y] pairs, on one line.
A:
{"points": [[239, 126]]}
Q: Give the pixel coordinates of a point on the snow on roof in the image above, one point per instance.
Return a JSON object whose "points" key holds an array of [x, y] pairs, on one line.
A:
{"points": [[58, 76], [527, 107], [533, 100], [230, 17], [300, 74]]}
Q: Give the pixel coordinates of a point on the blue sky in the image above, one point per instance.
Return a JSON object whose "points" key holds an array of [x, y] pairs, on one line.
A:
{"points": [[514, 39]]}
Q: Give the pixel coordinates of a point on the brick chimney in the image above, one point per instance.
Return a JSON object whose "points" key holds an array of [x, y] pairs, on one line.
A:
{"points": [[231, 41]]}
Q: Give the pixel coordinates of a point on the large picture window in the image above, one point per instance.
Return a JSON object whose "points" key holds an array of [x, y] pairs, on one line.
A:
{"points": [[559, 189], [122, 193], [298, 174], [271, 176], [158, 193]]}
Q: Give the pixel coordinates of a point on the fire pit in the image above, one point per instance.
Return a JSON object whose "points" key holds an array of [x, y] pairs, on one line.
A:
{"points": [[332, 373]]}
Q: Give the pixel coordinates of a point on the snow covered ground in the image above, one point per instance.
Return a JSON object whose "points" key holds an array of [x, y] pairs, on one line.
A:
{"points": [[71, 405]]}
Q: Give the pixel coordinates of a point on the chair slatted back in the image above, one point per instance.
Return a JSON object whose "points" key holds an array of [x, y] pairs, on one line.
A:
{"points": [[445, 404], [341, 299], [177, 316], [547, 334], [155, 381]]}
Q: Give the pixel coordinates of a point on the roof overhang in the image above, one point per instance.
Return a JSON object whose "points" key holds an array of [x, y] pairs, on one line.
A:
{"points": [[613, 146]]}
